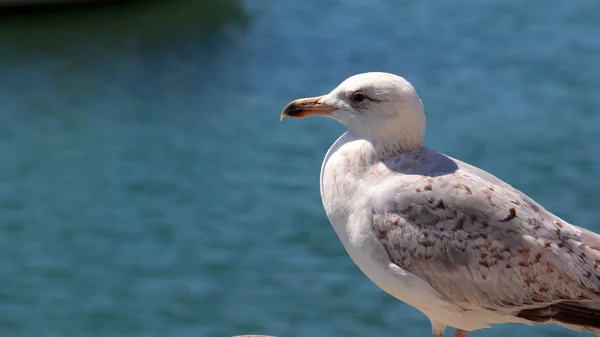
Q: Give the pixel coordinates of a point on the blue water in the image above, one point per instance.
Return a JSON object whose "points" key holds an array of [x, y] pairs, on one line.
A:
{"points": [[148, 188]]}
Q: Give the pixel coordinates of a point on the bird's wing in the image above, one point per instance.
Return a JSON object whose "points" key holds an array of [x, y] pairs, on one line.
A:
{"points": [[481, 244]]}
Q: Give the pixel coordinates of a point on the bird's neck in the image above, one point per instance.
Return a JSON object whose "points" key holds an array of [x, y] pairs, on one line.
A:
{"points": [[392, 136], [399, 144], [383, 147]]}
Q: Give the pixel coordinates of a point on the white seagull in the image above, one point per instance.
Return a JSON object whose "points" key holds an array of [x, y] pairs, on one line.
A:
{"points": [[453, 241]]}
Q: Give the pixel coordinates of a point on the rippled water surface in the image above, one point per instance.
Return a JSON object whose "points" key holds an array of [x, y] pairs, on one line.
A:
{"points": [[147, 187]]}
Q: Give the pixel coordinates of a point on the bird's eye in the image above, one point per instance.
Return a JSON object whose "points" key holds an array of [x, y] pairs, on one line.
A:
{"points": [[358, 97]]}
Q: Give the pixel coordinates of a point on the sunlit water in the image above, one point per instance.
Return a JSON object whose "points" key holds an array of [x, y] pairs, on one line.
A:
{"points": [[148, 188]]}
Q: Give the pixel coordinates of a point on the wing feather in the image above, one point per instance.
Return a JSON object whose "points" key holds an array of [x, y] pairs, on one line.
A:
{"points": [[484, 244]]}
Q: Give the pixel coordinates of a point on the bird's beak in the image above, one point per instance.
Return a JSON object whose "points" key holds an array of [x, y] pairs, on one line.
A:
{"points": [[307, 107]]}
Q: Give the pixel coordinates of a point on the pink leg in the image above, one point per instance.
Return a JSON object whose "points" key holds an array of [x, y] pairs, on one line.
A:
{"points": [[460, 333]]}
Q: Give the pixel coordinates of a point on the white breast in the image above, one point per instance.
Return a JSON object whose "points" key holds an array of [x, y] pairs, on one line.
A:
{"points": [[341, 195], [343, 139]]}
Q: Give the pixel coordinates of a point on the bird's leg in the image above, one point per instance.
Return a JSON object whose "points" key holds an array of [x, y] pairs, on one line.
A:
{"points": [[460, 333], [437, 329]]}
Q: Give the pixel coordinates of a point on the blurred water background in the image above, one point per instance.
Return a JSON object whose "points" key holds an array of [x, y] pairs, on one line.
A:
{"points": [[147, 187]]}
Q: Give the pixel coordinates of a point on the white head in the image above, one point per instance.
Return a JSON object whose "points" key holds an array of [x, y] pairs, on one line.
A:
{"points": [[379, 107]]}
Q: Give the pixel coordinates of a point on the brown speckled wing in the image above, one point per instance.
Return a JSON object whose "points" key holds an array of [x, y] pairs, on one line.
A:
{"points": [[483, 244]]}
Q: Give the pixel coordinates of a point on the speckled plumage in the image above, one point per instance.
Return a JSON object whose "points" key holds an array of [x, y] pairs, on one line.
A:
{"points": [[453, 241], [498, 248]]}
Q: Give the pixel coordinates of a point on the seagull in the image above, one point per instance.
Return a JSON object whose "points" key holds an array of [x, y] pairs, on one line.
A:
{"points": [[447, 238]]}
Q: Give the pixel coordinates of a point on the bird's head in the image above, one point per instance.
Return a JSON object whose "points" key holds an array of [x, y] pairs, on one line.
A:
{"points": [[379, 107]]}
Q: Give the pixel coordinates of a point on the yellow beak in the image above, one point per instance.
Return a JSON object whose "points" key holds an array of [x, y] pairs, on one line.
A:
{"points": [[307, 107]]}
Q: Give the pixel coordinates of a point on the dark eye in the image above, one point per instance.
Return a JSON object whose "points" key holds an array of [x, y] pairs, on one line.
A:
{"points": [[358, 97]]}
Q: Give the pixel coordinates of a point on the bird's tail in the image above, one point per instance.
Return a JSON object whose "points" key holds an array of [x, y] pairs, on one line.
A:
{"points": [[575, 315], [578, 316], [580, 329]]}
